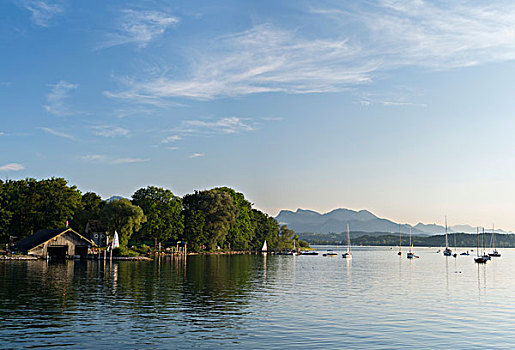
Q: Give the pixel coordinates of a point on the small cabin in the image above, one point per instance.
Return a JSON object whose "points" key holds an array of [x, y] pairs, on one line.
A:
{"points": [[56, 244]]}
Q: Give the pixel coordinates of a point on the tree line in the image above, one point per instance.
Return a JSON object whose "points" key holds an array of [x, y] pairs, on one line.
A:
{"points": [[207, 220], [462, 240]]}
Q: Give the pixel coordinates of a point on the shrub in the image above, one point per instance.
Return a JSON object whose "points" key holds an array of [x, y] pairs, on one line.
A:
{"points": [[124, 251]]}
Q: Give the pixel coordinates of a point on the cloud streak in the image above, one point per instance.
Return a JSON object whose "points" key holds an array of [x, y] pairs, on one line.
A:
{"points": [[358, 43], [112, 160], [139, 28], [227, 125], [110, 131], [57, 133], [42, 11], [56, 97], [12, 167], [196, 155], [262, 59]]}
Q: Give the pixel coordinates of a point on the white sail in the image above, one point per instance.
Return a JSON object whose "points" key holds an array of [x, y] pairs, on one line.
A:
{"points": [[116, 241], [264, 248]]}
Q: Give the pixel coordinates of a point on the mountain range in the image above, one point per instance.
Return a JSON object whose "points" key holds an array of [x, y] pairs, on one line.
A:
{"points": [[336, 221]]}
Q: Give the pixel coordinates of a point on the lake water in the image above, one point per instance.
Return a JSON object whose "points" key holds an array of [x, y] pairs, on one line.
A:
{"points": [[375, 301]]}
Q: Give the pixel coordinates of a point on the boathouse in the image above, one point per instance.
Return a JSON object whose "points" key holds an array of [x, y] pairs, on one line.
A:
{"points": [[62, 243]]}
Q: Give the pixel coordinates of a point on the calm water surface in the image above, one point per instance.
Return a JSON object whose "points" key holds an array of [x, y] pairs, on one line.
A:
{"points": [[375, 301]]}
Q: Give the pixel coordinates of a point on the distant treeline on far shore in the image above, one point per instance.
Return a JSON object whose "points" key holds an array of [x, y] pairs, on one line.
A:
{"points": [[389, 239], [219, 218]]}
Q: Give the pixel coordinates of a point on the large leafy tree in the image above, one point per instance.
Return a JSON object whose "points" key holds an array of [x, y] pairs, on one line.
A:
{"points": [[163, 211], [33, 205], [91, 204], [266, 228], [209, 214], [124, 217], [241, 233], [285, 238], [5, 214]]}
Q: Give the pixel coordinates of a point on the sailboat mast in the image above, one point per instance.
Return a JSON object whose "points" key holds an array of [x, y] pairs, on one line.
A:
{"points": [[348, 238], [492, 239], [400, 240], [446, 240], [483, 240], [477, 244], [410, 244]]}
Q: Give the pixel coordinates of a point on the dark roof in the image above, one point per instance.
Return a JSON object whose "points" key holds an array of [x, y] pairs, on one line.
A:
{"points": [[41, 237]]}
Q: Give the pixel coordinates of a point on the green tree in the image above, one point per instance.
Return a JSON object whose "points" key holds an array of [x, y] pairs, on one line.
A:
{"points": [[213, 212], [34, 205], [163, 211], [285, 238], [266, 229], [241, 233], [91, 204], [5, 215], [124, 217]]}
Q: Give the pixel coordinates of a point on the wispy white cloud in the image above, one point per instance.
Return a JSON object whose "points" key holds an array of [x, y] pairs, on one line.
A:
{"points": [[139, 27], [42, 11], [262, 59], [93, 157], [57, 133], [56, 97], [5, 83], [171, 138], [12, 167], [112, 160], [109, 131], [434, 34], [129, 160], [358, 42], [196, 155], [227, 125]]}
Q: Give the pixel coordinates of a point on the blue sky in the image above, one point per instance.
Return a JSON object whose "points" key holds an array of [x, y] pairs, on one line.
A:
{"points": [[401, 107]]}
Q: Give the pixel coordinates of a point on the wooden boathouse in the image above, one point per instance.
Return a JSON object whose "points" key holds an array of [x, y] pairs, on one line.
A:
{"points": [[62, 243]]}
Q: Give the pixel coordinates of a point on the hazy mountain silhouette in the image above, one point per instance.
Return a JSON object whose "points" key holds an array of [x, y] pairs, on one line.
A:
{"points": [[336, 221]]}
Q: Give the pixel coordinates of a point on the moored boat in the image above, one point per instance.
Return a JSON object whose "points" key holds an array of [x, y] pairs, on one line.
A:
{"points": [[347, 254]]}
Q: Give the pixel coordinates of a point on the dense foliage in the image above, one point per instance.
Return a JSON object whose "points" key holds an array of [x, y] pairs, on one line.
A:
{"points": [[219, 218]]}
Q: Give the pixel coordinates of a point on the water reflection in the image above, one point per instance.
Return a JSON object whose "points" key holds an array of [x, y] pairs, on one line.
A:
{"points": [[376, 300]]}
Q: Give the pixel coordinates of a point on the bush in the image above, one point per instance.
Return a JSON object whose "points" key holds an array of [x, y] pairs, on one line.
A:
{"points": [[124, 251], [142, 249], [304, 244]]}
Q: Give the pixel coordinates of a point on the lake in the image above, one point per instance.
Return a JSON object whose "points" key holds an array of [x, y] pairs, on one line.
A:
{"points": [[376, 301]]}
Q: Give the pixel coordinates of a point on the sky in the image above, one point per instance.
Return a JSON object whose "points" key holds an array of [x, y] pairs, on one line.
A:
{"points": [[404, 108]]}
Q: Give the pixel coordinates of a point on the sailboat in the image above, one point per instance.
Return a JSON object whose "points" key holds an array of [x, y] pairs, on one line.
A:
{"points": [[400, 241], [495, 253], [485, 256], [455, 255], [479, 259], [348, 254], [264, 249], [447, 251], [410, 254]]}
